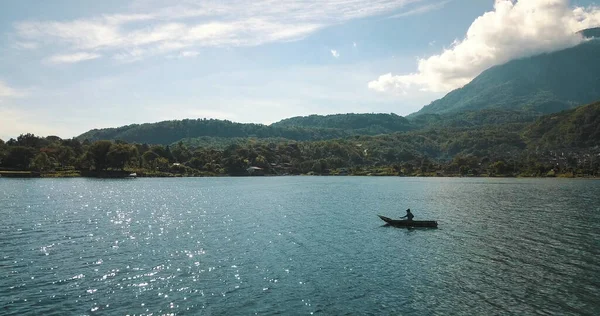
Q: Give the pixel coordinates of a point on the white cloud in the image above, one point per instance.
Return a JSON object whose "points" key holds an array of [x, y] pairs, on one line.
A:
{"points": [[163, 27], [184, 54], [25, 45], [421, 9], [335, 53], [8, 92], [514, 29], [72, 58], [354, 44], [188, 53]]}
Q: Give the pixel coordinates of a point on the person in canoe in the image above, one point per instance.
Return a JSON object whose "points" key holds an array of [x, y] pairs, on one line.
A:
{"points": [[409, 216]]}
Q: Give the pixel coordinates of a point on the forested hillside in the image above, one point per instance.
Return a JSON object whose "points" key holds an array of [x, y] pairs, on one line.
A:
{"points": [[368, 124], [313, 127], [483, 117], [578, 127], [168, 132]]}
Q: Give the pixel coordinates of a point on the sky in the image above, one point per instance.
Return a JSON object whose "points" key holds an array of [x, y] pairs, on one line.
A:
{"points": [[69, 66]]}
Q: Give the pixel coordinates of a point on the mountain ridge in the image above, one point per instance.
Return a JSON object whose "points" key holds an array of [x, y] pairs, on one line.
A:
{"points": [[315, 127]]}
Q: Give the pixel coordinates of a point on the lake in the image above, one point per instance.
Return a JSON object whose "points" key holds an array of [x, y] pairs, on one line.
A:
{"points": [[299, 246]]}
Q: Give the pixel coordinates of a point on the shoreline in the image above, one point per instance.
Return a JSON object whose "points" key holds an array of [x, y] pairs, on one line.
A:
{"points": [[126, 175]]}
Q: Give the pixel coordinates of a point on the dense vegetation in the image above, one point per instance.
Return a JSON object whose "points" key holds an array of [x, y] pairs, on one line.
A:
{"points": [[220, 134], [545, 83], [487, 143], [310, 128], [577, 128], [369, 124]]}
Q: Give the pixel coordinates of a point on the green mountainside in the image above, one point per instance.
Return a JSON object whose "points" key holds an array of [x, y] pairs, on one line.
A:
{"points": [[576, 128], [546, 83], [168, 132], [367, 123], [485, 117], [314, 127], [219, 133]]}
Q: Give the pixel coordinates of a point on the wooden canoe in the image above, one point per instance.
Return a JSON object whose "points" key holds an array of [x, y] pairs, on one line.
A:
{"points": [[406, 223]]}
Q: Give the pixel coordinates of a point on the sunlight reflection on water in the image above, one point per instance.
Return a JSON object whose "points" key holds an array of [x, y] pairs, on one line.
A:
{"points": [[298, 245]]}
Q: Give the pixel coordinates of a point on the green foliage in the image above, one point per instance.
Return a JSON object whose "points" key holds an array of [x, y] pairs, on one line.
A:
{"points": [[367, 124], [18, 157], [41, 162], [168, 132], [30, 140], [499, 168], [149, 158], [195, 132], [64, 155], [579, 127], [121, 154], [98, 154], [181, 152]]}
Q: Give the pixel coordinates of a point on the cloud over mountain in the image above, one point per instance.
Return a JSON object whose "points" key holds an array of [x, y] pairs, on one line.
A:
{"points": [[514, 29]]}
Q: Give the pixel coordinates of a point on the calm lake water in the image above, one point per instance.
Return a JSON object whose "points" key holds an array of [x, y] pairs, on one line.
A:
{"points": [[299, 245]]}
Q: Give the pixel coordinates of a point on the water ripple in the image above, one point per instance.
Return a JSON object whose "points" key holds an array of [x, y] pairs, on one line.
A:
{"points": [[296, 245]]}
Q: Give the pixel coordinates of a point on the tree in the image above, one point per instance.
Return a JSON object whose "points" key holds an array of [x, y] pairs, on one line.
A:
{"points": [[75, 145], [196, 163], [98, 151], [499, 167], [164, 152], [149, 158], [162, 164], [120, 154], [41, 162], [3, 151], [30, 140], [181, 153], [85, 161], [65, 155], [19, 157]]}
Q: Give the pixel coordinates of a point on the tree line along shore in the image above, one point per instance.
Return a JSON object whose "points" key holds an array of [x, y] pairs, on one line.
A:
{"points": [[398, 154]]}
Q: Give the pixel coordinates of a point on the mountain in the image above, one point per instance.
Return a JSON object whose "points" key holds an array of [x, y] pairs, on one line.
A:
{"points": [[545, 83], [168, 132], [576, 128], [385, 123], [485, 117], [591, 33], [314, 127]]}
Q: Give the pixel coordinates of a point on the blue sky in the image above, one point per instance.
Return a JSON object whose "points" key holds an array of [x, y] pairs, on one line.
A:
{"points": [[68, 66]]}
